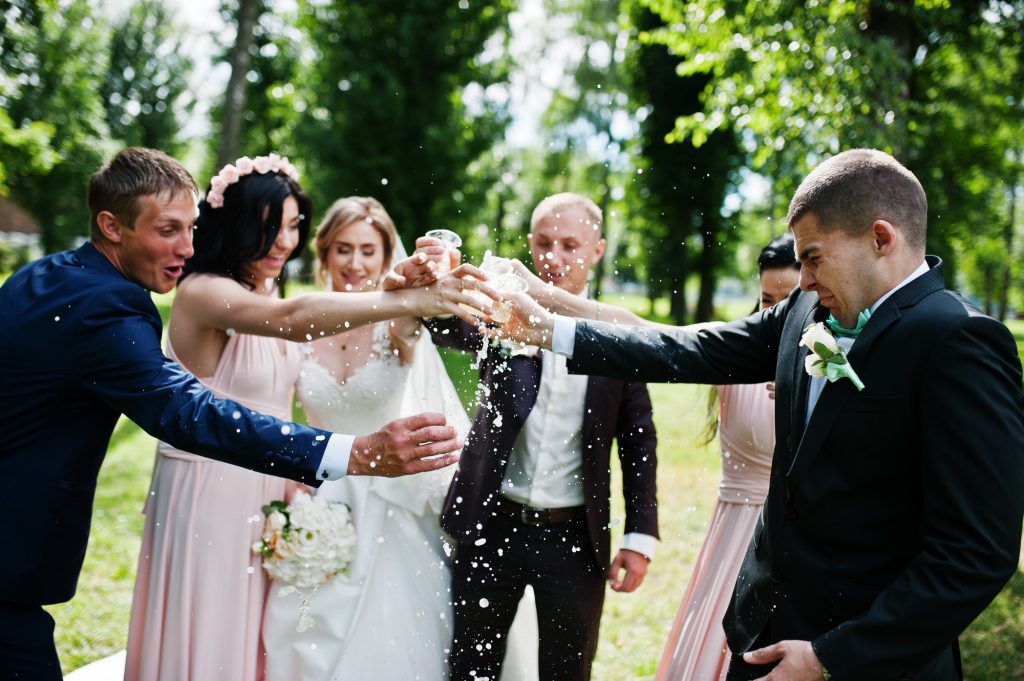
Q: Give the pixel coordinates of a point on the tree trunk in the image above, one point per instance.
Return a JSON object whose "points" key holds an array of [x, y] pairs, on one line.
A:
{"points": [[708, 259], [1008, 241], [234, 102], [599, 269], [677, 294], [893, 20]]}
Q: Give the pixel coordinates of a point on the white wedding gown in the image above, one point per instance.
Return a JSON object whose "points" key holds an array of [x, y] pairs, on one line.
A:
{"points": [[389, 618]]}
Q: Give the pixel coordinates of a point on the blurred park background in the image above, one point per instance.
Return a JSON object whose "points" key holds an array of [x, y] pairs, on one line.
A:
{"points": [[689, 123]]}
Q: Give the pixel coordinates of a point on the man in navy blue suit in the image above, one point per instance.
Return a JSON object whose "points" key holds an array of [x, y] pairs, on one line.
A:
{"points": [[79, 346]]}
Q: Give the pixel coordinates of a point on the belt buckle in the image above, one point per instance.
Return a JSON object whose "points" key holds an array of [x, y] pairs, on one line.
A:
{"points": [[525, 514]]}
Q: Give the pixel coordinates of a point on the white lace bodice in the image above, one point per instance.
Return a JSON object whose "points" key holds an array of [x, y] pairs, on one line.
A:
{"points": [[370, 397]]}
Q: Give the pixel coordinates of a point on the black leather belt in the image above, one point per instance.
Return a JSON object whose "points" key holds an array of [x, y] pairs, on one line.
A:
{"points": [[529, 515]]}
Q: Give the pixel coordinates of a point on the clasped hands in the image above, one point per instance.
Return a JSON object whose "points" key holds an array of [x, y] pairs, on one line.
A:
{"points": [[458, 292]]}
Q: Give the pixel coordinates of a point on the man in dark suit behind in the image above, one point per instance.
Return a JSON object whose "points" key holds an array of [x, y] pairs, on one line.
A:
{"points": [[531, 501], [79, 346], [894, 512]]}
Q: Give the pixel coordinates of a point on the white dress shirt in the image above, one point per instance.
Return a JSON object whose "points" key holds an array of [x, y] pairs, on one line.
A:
{"points": [[546, 463], [334, 464]]}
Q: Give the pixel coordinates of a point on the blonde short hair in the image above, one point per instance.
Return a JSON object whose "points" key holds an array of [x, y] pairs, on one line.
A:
{"points": [[556, 203], [344, 212]]}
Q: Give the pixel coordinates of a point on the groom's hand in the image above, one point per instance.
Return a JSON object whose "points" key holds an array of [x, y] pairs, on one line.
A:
{"points": [[635, 566], [797, 661], [403, 447]]}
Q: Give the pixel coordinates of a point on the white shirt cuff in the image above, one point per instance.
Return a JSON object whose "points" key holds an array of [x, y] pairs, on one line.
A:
{"points": [[563, 335], [643, 544], [334, 465]]}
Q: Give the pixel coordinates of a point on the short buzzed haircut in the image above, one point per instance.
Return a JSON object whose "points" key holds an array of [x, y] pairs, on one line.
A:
{"points": [[854, 188], [554, 204], [132, 173]]}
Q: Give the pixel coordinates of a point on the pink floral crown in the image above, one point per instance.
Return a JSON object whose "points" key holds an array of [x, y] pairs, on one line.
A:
{"points": [[231, 174]]}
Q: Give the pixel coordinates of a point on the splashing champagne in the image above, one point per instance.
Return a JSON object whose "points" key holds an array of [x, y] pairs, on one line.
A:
{"points": [[503, 279]]}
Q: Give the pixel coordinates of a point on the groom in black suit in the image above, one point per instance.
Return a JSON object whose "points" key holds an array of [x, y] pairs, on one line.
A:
{"points": [[530, 504], [894, 511], [79, 346]]}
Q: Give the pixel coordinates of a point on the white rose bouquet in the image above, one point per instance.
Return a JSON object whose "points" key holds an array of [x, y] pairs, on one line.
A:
{"points": [[304, 544]]}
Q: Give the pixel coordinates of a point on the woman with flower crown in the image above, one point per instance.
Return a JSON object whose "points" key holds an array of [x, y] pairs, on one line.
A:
{"points": [[389, 617], [200, 591]]}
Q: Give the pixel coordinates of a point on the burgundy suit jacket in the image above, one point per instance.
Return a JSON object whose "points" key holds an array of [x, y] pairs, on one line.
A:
{"points": [[613, 409]]}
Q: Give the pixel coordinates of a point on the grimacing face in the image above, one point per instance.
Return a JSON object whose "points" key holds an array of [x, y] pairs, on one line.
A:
{"points": [[839, 267], [355, 257], [565, 245], [154, 251]]}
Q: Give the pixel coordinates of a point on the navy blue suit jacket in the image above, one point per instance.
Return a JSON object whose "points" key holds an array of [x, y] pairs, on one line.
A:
{"points": [[613, 409], [80, 345], [893, 517]]}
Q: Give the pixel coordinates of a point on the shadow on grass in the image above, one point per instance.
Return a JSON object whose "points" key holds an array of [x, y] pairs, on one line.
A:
{"points": [[993, 646]]}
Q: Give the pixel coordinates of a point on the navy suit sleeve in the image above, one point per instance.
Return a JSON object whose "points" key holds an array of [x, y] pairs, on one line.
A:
{"points": [[118, 358], [972, 476], [743, 351], [638, 443]]}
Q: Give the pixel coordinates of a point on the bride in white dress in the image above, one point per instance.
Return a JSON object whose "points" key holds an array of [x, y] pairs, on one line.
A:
{"points": [[389, 617]]}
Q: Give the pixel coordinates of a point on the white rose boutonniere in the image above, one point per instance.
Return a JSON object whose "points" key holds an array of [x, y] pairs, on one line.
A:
{"points": [[827, 359]]}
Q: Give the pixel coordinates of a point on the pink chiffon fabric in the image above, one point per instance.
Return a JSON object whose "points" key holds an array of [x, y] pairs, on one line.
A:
{"points": [[200, 591], [696, 649]]}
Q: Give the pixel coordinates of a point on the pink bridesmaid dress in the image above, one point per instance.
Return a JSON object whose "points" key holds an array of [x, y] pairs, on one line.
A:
{"points": [[200, 591], [696, 649]]}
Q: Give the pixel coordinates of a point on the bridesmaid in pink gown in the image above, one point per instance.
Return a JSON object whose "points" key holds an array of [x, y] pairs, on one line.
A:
{"points": [[696, 649], [199, 591]]}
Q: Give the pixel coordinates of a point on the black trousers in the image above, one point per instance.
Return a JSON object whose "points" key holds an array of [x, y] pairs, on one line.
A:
{"points": [[488, 579], [27, 651]]}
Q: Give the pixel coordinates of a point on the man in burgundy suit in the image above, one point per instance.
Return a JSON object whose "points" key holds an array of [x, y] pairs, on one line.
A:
{"points": [[530, 503]]}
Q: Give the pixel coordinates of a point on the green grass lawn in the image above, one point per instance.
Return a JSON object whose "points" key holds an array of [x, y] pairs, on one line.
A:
{"points": [[633, 628]]}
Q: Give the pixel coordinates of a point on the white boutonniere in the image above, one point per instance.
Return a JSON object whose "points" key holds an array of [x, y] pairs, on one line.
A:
{"points": [[827, 358]]}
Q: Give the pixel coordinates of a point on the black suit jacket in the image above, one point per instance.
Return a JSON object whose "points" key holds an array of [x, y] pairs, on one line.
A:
{"points": [[894, 517], [612, 409], [80, 345]]}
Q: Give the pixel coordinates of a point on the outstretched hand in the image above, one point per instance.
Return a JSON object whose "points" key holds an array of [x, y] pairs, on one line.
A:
{"points": [[464, 291], [412, 272], [635, 567], [797, 661], [530, 323], [414, 444]]}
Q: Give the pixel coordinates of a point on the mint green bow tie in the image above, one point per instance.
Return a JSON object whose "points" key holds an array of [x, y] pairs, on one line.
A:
{"points": [[841, 332]]}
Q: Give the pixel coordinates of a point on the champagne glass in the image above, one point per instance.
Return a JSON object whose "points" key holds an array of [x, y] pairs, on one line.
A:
{"points": [[450, 241]]}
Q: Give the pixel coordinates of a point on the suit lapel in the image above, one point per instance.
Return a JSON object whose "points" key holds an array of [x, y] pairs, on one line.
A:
{"points": [[835, 395], [801, 381]]}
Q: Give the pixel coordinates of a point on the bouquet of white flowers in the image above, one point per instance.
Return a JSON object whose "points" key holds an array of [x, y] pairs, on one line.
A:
{"points": [[304, 544]]}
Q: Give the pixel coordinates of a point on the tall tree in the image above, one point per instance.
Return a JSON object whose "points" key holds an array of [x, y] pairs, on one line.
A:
{"points": [[145, 88], [803, 80], [245, 15], [683, 185], [53, 57], [400, 103]]}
